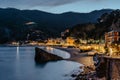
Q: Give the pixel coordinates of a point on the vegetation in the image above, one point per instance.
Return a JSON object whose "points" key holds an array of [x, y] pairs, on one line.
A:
{"points": [[97, 30], [14, 23]]}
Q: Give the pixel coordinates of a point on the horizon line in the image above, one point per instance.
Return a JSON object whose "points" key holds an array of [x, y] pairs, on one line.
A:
{"points": [[57, 12]]}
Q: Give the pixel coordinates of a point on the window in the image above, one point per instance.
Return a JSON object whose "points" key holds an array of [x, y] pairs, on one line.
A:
{"points": [[115, 38], [119, 33]]}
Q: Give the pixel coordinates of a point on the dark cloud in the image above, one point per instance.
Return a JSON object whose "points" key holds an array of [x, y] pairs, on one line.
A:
{"points": [[13, 3], [29, 4], [55, 2]]}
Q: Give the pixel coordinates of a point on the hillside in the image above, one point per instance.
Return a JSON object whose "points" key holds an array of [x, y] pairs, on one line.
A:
{"points": [[107, 22], [13, 22]]}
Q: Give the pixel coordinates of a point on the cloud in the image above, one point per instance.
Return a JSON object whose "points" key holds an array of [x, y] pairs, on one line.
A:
{"points": [[10, 3], [31, 4], [55, 2]]}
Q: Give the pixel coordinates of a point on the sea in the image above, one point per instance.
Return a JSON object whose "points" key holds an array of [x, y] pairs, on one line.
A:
{"points": [[17, 63]]}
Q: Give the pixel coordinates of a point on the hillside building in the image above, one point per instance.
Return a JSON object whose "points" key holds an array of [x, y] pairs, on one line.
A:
{"points": [[112, 41], [112, 37]]}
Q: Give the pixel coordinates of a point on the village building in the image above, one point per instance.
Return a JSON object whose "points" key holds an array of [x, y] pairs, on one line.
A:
{"points": [[112, 40], [70, 41], [56, 41], [112, 36]]}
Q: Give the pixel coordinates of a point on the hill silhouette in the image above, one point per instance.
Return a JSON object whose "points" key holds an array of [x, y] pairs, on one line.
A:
{"points": [[16, 24]]}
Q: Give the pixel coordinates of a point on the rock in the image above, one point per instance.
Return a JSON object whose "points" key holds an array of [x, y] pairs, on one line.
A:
{"points": [[73, 75], [42, 56]]}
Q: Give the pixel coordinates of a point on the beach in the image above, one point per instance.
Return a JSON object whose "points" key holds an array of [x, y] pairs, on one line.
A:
{"points": [[77, 56], [82, 58]]}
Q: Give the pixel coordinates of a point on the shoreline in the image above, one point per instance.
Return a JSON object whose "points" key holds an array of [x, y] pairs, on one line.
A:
{"points": [[85, 58], [82, 58], [77, 56]]}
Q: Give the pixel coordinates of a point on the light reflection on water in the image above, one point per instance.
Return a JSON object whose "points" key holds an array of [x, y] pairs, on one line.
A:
{"points": [[17, 63], [17, 56]]}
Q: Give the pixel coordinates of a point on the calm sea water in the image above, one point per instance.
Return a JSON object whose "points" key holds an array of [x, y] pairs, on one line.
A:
{"points": [[17, 63]]}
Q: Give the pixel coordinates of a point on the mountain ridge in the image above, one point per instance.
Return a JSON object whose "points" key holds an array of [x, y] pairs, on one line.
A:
{"points": [[13, 22]]}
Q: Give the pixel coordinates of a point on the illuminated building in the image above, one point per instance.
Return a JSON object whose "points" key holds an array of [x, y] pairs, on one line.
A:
{"points": [[112, 40], [70, 41], [112, 37]]}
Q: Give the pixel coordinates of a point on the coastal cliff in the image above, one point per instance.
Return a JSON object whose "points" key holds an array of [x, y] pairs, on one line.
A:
{"points": [[42, 56]]}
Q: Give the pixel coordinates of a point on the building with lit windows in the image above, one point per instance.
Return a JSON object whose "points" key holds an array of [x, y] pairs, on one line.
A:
{"points": [[112, 37]]}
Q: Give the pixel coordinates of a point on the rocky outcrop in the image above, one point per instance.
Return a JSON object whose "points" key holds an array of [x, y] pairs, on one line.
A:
{"points": [[42, 56]]}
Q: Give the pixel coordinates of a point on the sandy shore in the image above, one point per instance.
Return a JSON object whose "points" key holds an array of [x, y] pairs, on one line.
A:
{"points": [[85, 59], [77, 56]]}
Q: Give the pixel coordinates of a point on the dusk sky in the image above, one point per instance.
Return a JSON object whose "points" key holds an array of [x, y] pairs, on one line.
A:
{"points": [[60, 6]]}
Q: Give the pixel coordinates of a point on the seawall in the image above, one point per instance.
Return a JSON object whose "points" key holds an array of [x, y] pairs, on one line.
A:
{"points": [[109, 68]]}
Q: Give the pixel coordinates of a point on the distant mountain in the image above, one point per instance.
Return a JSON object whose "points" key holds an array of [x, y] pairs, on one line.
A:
{"points": [[15, 23]]}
